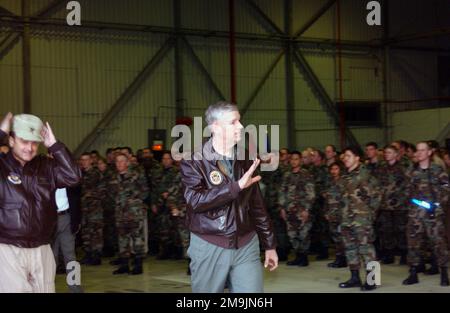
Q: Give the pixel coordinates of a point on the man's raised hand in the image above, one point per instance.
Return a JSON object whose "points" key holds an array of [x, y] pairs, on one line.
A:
{"points": [[247, 180], [5, 125]]}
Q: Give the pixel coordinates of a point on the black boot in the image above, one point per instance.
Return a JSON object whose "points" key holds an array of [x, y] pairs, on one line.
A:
{"points": [[388, 257], [420, 268], [433, 270], [124, 268], [137, 269], [366, 286], [303, 260], [333, 264], [87, 258], [354, 280], [412, 278], [296, 261], [340, 262], [444, 276]]}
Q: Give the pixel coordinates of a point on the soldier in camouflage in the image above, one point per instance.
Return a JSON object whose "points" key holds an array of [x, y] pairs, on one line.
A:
{"points": [[295, 201], [333, 214], [331, 155], [92, 212], [319, 233], [176, 204], [153, 172], [270, 185], [107, 202], [403, 159], [372, 162], [428, 182], [130, 189], [361, 196], [393, 214], [170, 176], [284, 164]]}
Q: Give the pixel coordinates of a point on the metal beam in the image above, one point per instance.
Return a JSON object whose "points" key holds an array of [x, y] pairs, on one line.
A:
{"points": [[314, 18], [8, 43], [386, 78], [5, 11], [261, 83], [203, 69], [259, 14], [321, 93], [26, 60], [55, 25], [12, 39], [425, 35], [232, 50], [179, 85], [289, 77], [129, 92], [52, 8]]}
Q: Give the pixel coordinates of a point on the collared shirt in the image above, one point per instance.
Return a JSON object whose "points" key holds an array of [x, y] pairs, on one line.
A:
{"points": [[62, 202]]}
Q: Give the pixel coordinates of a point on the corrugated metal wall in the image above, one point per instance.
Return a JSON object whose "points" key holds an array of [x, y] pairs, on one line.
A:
{"points": [[419, 125], [77, 78]]}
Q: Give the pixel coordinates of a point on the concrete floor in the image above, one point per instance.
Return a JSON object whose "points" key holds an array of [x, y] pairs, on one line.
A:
{"points": [[170, 277]]}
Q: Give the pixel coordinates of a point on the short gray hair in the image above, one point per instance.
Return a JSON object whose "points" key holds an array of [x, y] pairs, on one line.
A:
{"points": [[215, 110]]}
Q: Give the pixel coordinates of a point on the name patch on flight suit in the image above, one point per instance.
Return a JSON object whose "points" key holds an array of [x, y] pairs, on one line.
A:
{"points": [[14, 178]]}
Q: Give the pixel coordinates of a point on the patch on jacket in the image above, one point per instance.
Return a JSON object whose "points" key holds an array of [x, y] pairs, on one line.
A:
{"points": [[215, 177], [14, 178]]}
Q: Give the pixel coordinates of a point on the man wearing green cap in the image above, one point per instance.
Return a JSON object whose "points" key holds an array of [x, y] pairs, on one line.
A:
{"points": [[28, 211]]}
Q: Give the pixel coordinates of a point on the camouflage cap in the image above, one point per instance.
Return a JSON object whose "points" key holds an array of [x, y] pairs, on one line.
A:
{"points": [[28, 127]]}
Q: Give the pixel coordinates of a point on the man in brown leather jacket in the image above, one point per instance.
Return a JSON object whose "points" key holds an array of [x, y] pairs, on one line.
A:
{"points": [[225, 211], [27, 203]]}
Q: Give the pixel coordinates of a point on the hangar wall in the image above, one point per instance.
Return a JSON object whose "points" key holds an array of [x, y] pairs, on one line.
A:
{"points": [[78, 75]]}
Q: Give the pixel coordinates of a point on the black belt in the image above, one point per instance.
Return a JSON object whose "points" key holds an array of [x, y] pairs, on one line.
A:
{"points": [[64, 212]]}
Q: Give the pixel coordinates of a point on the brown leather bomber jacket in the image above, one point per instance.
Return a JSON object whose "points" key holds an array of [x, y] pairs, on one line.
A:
{"points": [[217, 209], [27, 195]]}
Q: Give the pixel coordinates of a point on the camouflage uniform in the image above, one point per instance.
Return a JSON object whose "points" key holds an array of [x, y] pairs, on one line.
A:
{"points": [[284, 168], [107, 203], [431, 185], [320, 235], [170, 177], [92, 212], [332, 196], [373, 169], [176, 200], [153, 172], [405, 162], [130, 191], [393, 214], [296, 196], [361, 196], [272, 182]]}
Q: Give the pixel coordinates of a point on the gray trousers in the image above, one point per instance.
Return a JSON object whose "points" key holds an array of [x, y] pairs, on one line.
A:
{"points": [[213, 266], [64, 240]]}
